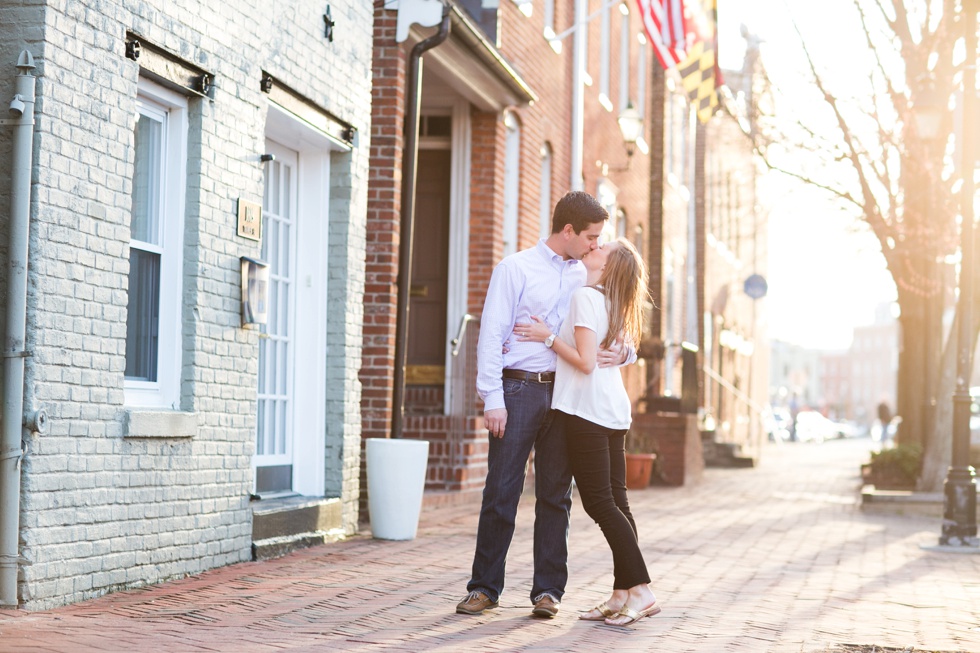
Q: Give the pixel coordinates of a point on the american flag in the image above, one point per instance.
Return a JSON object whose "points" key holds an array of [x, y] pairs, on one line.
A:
{"points": [[663, 21]]}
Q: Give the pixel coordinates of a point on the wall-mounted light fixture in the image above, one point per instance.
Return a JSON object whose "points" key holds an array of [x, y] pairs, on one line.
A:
{"points": [[928, 111], [631, 127], [255, 291]]}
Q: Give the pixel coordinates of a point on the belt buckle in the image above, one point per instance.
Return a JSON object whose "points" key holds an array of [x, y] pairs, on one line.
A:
{"points": [[539, 375]]}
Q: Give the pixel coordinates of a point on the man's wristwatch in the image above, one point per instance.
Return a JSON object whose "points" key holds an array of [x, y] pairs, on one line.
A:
{"points": [[549, 341]]}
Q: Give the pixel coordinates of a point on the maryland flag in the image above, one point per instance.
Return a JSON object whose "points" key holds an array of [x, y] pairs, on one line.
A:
{"points": [[699, 72]]}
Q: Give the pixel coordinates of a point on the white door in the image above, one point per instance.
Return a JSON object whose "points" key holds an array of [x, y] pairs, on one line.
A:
{"points": [[277, 345], [290, 437]]}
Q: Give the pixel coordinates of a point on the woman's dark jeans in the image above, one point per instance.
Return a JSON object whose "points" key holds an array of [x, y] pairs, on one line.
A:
{"points": [[529, 424], [598, 460]]}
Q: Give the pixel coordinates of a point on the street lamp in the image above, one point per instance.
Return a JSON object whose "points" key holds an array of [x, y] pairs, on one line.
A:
{"points": [[960, 490], [928, 112]]}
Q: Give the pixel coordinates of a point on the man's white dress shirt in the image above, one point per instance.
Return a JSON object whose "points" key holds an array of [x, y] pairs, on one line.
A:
{"points": [[532, 282]]}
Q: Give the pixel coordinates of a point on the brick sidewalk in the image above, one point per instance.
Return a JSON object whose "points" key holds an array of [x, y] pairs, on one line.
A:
{"points": [[777, 558]]}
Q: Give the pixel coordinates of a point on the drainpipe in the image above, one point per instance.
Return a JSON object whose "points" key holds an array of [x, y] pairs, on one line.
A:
{"points": [[410, 160], [13, 354]]}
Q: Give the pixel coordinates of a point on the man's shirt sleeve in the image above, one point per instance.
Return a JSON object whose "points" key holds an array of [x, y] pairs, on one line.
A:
{"points": [[496, 326]]}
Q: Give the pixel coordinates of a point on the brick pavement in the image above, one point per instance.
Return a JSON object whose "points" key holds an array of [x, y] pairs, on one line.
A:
{"points": [[777, 558]]}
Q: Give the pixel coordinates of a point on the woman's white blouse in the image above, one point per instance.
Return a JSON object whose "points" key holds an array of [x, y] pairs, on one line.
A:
{"points": [[599, 397]]}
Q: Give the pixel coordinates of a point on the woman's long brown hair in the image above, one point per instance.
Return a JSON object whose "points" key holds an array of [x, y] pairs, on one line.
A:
{"points": [[624, 282]]}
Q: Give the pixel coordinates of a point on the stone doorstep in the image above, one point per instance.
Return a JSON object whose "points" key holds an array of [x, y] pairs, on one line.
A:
{"points": [[276, 547], [282, 525], [724, 454], [903, 502]]}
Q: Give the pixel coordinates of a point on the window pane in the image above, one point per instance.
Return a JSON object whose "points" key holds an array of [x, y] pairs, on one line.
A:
{"points": [[260, 424], [147, 178], [142, 323], [274, 184]]}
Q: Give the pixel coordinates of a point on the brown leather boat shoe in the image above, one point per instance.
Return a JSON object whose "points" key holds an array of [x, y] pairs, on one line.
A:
{"points": [[545, 606], [475, 603]]}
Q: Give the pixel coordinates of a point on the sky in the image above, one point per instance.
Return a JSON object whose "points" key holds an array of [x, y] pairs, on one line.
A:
{"points": [[826, 273]]}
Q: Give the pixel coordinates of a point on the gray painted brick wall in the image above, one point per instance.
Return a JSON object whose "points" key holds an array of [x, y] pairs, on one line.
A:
{"points": [[101, 510]]}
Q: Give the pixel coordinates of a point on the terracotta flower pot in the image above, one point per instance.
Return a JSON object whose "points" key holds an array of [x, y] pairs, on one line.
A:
{"points": [[639, 467]]}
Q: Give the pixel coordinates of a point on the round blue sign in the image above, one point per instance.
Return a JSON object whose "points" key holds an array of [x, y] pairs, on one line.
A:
{"points": [[756, 286]]}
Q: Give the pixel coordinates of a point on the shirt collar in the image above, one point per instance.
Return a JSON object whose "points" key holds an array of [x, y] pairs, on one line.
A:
{"points": [[550, 255]]}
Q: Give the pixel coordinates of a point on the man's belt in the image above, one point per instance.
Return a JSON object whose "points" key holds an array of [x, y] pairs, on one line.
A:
{"points": [[532, 377]]}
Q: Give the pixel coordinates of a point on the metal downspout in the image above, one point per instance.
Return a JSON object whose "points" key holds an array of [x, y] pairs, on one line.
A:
{"points": [[410, 162], [14, 353]]}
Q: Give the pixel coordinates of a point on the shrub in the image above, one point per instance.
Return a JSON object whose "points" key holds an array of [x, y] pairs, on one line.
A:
{"points": [[898, 467]]}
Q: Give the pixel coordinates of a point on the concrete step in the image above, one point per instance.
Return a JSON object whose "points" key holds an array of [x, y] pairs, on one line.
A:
{"points": [[723, 454], [283, 525]]}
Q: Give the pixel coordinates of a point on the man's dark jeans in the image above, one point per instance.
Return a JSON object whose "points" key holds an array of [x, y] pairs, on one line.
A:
{"points": [[529, 424]]}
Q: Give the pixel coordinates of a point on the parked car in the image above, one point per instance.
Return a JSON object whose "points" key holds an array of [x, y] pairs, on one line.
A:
{"points": [[777, 423], [812, 426], [849, 429]]}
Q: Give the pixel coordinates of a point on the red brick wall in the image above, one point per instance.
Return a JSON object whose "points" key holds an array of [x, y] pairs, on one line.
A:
{"points": [[655, 240], [676, 440], [700, 243], [486, 203], [383, 225], [460, 464], [549, 119]]}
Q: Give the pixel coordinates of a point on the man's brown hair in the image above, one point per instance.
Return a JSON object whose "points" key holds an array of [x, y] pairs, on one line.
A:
{"points": [[578, 209]]}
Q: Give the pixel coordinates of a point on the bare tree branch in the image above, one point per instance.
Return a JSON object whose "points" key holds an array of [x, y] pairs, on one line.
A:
{"points": [[869, 207], [809, 180], [899, 100]]}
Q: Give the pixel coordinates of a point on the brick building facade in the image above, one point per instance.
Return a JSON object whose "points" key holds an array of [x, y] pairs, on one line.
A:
{"points": [[155, 467], [523, 127], [154, 126]]}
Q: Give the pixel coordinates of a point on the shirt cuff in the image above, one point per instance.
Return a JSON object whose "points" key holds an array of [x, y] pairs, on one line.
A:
{"points": [[493, 401]]}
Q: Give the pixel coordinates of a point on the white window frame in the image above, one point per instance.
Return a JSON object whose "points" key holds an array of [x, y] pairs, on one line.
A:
{"points": [[512, 176], [526, 6], [605, 38], [158, 102], [641, 76], [608, 195], [624, 59], [549, 26], [545, 210]]}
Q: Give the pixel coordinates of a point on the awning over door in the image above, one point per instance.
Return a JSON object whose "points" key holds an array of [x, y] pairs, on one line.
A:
{"points": [[472, 66]]}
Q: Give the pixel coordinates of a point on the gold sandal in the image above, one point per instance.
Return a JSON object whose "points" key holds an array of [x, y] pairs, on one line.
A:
{"points": [[635, 616], [605, 612]]}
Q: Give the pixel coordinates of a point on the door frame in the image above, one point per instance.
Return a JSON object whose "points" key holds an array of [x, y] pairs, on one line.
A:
{"points": [[287, 156], [457, 304], [314, 148]]}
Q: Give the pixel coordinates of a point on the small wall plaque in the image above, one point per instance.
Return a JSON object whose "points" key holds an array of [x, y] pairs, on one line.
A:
{"points": [[249, 220]]}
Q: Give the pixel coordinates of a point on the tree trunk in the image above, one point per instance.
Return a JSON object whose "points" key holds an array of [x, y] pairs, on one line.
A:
{"points": [[911, 371], [937, 458]]}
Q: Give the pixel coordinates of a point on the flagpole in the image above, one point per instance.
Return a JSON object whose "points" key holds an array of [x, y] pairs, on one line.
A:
{"points": [[589, 19]]}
